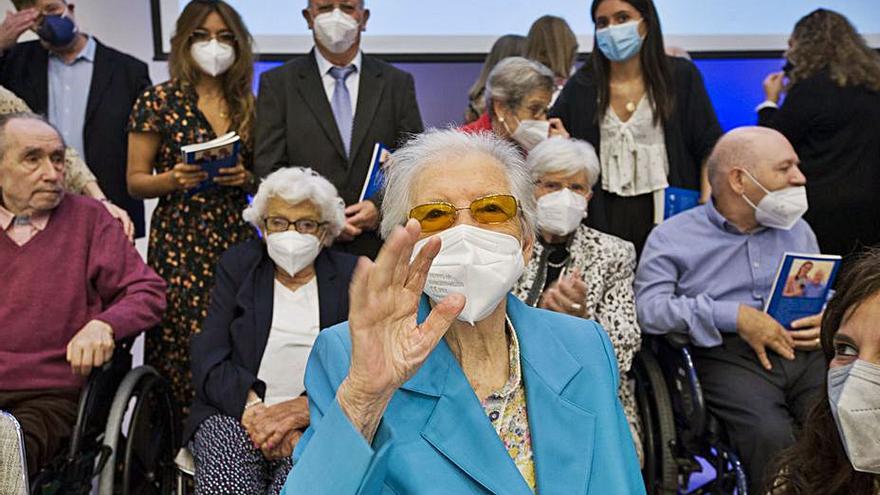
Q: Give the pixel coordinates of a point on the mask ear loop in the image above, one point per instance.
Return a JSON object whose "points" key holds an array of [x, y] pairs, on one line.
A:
{"points": [[750, 176]]}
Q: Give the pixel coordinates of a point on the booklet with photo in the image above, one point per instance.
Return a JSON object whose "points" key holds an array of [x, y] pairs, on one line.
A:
{"points": [[803, 283], [212, 155], [375, 176]]}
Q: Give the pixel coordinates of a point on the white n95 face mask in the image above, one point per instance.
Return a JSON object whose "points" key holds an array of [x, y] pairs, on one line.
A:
{"points": [[854, 397], [779, 209], [560, 212], [213, 57], [293, 251], [530, 133], [481, 264], [336, 30]]}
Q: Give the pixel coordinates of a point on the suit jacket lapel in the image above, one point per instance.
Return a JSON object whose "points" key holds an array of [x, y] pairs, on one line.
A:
{"points": [[328, 290], [264, 301], [562, 432], [311, 88], [458, 428], [38, 80], [369, 93], [102, 74]]}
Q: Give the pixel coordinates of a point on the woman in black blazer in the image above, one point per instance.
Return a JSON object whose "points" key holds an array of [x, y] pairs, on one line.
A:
{"points": [[270, 299], [648, 116], [831, 115]]}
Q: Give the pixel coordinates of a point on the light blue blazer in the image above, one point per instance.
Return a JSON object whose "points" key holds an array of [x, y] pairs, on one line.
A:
{"points": [[435, 438]]}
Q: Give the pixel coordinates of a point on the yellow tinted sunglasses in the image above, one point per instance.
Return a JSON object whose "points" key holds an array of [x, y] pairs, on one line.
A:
{"points": [[495, 208]]}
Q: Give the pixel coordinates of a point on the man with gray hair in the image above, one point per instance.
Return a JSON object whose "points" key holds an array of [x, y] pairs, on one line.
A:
{"points": [[328, 109], [707, 273], [67, 248]]}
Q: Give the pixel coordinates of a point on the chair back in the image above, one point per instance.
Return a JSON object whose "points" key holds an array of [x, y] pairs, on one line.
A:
{"points": [[13, 464]]}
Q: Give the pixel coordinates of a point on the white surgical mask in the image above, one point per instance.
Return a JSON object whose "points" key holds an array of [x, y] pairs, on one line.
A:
{"points": [[481, 264], [336, 30], [530, 133], [293, 251], [213, 57], [779, 209], [854, 397], [561, 212]]}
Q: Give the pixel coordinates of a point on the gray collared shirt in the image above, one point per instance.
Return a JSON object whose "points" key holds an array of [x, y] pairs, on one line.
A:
{"points": [[697, 268], [69, 94]]}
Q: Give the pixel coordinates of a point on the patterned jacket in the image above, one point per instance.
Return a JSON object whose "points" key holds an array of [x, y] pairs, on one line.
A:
{"points": [[607, 264]]}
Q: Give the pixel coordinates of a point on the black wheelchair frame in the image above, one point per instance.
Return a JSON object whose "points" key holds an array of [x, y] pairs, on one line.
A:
{"points": [[677, 426], [138, 460]]}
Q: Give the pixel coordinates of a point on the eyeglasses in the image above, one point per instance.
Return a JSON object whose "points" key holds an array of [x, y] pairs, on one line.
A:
{"points": [[303, 225], [553, 186], [496, 208], [200, 35]]}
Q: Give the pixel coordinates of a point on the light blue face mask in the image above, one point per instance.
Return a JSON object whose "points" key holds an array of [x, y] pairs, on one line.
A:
{"points": [[620, 42], [854, 397]]}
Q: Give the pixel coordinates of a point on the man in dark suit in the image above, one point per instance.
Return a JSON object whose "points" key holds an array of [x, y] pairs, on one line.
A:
{"points": [[328, 109], [85, 88]]}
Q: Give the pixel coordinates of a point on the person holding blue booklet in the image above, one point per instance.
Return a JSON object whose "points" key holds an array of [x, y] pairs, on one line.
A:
{"points": [[708, 272], [197, 219]]}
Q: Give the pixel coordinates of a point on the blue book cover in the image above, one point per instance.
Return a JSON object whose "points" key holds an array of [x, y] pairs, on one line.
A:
{"points": [[677, 200], [375, 176], [212, 156], [802, 286]]}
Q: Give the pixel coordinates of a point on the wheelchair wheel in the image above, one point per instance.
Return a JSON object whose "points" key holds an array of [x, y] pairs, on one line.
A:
{"points": [[142, 460], [661, 469]]}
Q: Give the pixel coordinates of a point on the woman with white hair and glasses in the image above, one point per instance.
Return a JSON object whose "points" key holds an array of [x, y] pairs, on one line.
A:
{"points": [[271, 298], [518, 94], [575, 269], [443, 381]]}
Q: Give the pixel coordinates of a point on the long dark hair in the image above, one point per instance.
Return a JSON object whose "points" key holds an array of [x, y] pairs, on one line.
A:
{"points": [[237, 80], [824, 39], [817, 463], [655, 66]]}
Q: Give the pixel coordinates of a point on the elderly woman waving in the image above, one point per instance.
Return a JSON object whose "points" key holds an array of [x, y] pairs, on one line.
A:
{"points": [[269, 302], [444, 382], [518, 94], [576, 269]]}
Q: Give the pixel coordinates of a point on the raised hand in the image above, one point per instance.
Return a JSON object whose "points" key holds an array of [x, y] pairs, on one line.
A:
{"points": [[14, 25], [388, 344]]}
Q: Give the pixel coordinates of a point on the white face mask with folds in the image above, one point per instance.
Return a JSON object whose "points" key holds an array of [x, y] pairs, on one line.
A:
{"points": [[292, 251], [854, 397], [531, 133], [481, 264], [337, 31], [779, 209], [560, 212], [213, 57]]}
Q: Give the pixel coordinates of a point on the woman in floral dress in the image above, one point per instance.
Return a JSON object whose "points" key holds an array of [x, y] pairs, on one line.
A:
{"points": [[209, 94]]}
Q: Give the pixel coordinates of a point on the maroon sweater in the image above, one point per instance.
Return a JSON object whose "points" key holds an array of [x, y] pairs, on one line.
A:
{"points": [[79, 268]]}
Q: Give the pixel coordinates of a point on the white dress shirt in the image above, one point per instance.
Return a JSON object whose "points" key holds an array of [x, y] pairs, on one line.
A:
{"points": [[353, 81], [295, 326]]}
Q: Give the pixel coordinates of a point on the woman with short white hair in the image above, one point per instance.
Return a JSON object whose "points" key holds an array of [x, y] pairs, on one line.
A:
{"points": [[575, 269], [442, 381], [271, 298]]}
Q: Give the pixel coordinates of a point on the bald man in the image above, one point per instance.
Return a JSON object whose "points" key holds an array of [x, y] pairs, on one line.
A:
{"points": [[708, 272]]}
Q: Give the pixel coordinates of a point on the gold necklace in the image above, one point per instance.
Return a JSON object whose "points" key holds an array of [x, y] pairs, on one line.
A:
{"points": [[630, 106]]}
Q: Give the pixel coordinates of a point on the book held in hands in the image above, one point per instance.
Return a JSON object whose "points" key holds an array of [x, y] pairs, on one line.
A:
{"points": [[375, 175], [212, 155], [802, 286]]}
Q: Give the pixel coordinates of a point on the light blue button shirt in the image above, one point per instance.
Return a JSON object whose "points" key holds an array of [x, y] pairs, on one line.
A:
{"points": [[69, 94], [697, 268]]}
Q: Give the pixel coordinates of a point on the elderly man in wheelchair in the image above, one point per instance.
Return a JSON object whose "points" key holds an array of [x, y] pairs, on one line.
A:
{"points": [[73, 286], [705, 274]]}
